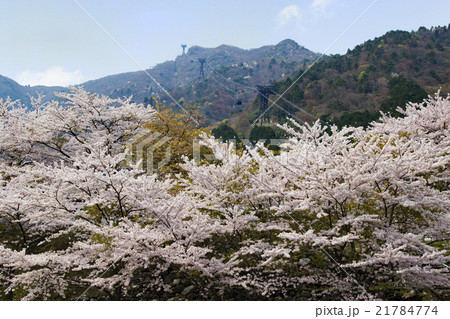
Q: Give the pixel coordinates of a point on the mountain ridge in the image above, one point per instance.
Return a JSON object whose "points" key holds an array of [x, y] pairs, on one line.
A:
{"points": [[9, 88], [338, 85], [377, 75], [182, 75]]}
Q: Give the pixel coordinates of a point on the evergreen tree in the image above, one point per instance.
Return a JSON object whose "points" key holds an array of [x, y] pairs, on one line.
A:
{"points": [[402, 91]]}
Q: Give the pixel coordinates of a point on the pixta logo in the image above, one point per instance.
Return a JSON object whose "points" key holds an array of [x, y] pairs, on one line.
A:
{"points": [[142, 148]]}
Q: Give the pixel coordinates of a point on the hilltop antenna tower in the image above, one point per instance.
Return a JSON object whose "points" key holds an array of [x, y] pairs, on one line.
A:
{"points": [[183, 46], [264, 92], [202, 70]]}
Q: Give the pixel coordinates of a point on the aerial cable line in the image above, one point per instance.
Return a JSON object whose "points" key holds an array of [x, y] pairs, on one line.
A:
{"points": [[226, 87], [320, 57], [134, 60], [302, 110], [228, 79], [297, 107], [222, 85], [205, 63], [256, 90], [252, 89], [286, 111]]}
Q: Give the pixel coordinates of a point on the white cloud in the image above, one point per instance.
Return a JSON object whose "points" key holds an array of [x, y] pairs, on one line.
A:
{"points": [[288, 14], [321, 4], [55, 75]]}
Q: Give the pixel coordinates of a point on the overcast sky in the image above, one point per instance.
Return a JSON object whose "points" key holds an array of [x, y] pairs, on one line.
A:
{"points": [[53, 42]]}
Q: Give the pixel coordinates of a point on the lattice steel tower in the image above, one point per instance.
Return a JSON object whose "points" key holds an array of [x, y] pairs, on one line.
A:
{"points": [[202, 70], [264, 92]]}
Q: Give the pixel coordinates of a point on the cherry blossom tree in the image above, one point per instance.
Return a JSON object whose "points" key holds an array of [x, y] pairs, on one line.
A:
{"points": [[336, 214], [88, 220], [352, 213]]}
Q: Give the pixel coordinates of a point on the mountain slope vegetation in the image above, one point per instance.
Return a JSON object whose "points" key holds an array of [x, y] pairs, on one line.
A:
{"points": [[229, 74], [382, 73]]}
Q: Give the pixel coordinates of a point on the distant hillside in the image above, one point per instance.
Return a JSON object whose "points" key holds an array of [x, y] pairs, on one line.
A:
{"points": [[345, 89], [380, 73], [12, 89], [181, 77], [225, 66]]}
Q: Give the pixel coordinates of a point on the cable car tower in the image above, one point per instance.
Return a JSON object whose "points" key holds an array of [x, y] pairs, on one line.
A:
{"points": [[183, 46], [264, 92], [202, 70]]}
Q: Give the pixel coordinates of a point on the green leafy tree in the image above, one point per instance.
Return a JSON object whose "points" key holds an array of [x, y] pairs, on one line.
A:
{"points": [[402, 91], [262, 133], [226, 133], [180, 129]]}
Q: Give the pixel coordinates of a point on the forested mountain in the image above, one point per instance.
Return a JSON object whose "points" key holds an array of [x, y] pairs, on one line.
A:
{"points": [[382, 73], [225, 70], [216, 89], [12, 89]]}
